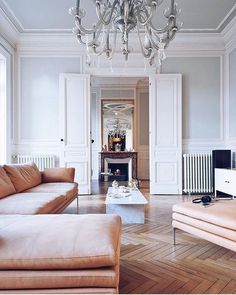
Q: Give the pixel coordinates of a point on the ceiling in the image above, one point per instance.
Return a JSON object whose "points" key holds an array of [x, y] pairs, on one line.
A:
{"points": [[52, 15]]}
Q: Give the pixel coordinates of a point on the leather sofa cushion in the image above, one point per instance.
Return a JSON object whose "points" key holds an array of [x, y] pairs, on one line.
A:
{"points": [[221, 241], [31, 203], [67, 189], [6, 186], [221, 213], [23, 176], [63, 241], [58, 175], [206, 226], [42, 279]]}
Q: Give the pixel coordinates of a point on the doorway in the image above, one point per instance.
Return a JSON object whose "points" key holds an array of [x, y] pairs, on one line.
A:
{"points": [[3, 110], [119, 123], [165, 129]]}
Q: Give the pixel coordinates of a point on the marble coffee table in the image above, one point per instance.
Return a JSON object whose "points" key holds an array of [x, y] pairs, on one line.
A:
{"points": [[131, 209]]}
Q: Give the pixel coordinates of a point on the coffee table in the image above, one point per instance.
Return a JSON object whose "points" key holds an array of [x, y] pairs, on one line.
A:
{"points": [[131, 209]]}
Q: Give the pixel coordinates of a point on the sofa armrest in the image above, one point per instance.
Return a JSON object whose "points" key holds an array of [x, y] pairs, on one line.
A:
{"points": [[58, 175]]}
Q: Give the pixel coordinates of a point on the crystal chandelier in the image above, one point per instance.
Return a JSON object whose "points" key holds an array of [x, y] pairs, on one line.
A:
{"points": [[118, 131], [125, 16]]}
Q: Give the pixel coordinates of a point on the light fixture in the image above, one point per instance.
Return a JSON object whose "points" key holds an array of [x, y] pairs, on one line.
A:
{"points": [[117, 130], [125, 16]]}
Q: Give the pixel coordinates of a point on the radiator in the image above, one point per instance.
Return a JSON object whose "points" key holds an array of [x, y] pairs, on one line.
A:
{"points": [[197, 173], [42, 161]]}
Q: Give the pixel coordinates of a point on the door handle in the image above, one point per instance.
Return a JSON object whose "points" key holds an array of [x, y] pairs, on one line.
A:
{"points": [[62, 139], [227, 181]]}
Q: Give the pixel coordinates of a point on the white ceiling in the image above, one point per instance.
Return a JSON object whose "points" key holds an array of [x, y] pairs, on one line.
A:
{"points": [[52, 15]]}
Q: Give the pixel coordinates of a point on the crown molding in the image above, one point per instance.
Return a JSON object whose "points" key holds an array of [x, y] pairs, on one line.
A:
{"points": [[183, 43], [229, 34], [7, 30]]}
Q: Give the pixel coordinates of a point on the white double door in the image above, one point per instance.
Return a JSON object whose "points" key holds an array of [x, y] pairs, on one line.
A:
{"points": [[165, 131], [75, 127]]}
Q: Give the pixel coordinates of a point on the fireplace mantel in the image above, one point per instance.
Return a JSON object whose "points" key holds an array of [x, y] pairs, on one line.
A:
{"points": [[119, 155]]}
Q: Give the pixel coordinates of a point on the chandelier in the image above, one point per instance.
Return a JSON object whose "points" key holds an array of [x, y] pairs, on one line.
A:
{"points": [[118, 130], [125, 16]]}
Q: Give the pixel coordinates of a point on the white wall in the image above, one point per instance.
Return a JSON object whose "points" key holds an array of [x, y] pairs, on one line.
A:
{"points": [[201, 95], [38, 100]]}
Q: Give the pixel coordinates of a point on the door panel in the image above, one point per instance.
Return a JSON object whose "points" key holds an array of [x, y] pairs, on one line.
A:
{"points": [[166, 134], [75, 127]]}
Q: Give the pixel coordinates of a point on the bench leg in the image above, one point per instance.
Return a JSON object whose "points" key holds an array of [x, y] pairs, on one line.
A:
{"points": [[174, 236], [77, 204]]}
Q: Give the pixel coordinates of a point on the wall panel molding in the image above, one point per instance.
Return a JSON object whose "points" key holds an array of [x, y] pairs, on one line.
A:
{"points": [[18, 138]]}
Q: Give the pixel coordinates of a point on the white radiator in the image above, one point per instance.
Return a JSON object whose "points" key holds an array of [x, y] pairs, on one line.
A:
{"points": [[197, 173], [42, 161]]}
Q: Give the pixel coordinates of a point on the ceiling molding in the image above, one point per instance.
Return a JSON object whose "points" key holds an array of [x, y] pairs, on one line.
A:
{"points": [[229, 34], [11, 16], [9, 13], [185, 42], [224, 23], [7, 30]]}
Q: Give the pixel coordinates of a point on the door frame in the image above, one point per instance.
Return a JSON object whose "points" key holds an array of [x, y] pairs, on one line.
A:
{"points": [[132, 72], [9, 100]]}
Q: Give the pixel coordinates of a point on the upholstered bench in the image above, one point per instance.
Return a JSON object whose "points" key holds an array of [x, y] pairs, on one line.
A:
{"points": [[59, 253], [215, 223]]}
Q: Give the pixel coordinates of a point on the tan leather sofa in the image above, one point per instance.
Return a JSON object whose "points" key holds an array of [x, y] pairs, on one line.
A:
{"points": [[59, 254], [25, 190], [215, 223]]}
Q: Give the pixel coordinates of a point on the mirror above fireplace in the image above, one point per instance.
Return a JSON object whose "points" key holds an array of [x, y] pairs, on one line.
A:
{"points": [[117, 120]]}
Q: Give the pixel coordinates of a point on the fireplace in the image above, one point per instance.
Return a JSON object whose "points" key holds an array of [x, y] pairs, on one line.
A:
{"points": [[124, 159], [120, 171]]}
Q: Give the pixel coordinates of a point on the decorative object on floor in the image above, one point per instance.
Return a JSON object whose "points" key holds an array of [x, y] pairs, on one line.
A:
{"points": [[124, 16]]}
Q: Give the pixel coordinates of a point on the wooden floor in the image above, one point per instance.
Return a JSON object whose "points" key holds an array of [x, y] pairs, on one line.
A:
{"points": [[151, 264]]}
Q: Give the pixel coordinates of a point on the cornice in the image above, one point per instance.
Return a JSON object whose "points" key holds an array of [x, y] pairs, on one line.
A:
{"points": [[7, 30], [184, 42], [229, 34]]}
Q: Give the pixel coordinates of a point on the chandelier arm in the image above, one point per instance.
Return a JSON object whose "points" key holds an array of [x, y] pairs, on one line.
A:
{"points": [[146, 52], [171, 37], [101, 16], [103, 47], [154, 44], [92, 42], [148, 19], [84, 30], [114, 46], [167, 28]]}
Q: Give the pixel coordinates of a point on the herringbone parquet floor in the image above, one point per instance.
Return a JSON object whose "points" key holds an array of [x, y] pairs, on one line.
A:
{"points": [[151, 264]]}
